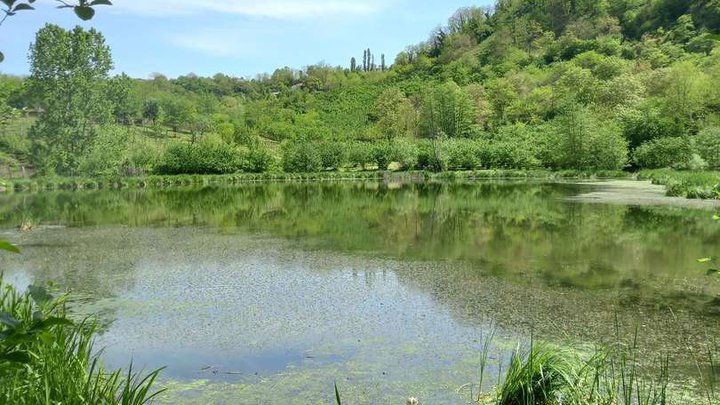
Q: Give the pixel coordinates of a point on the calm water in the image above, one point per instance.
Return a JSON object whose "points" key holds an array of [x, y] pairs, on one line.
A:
{"points": [[268, 293]]}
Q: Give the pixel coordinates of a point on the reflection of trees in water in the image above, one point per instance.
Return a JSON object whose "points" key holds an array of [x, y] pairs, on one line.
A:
{"points": [[515, 252], [524, 223], [569, 315], [517, 228]]}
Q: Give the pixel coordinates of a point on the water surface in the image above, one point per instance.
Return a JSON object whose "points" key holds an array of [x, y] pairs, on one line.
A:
{"points": [[269, 293]]}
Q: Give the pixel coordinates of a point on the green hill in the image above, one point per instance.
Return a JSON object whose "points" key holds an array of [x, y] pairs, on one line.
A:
{"points": [[561, 84]]}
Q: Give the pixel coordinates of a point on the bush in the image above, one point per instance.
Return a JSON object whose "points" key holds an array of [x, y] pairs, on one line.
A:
{"points": [[514, 147], [430, 157], [663, 152], [578, 140], [460, 154], [360, 154], [707, 145], [405, 153], [301, 158], [202, 158], [107, 154], [259, 160], [382, 155], [332, 154]]}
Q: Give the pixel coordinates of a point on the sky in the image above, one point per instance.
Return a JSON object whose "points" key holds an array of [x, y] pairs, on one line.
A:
{"points": [[240, 38]]}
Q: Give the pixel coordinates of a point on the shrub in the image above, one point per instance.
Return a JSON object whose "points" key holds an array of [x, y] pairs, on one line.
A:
{"points": [[513, 147], [430, 156], [579, 140], [332, 154], [405, 153], [259, 160], [663, 152], [202, 158], [360, 154], [107, 153], [301, 158], [460, 154], [382, 155], [707, 145]]}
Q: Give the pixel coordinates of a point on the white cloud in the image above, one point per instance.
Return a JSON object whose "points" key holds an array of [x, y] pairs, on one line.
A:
{"points": [[280, 9], [222, 42]]}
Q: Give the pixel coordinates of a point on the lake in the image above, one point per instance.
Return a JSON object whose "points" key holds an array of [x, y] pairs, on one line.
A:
{"points": [[268, 293]]}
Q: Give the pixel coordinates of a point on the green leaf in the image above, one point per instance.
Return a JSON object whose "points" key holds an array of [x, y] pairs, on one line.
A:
{"points": [[705, 260], [2, 57], [716, 217], [53, 321], [15, 357], [710, 272], [39, 294], [8, 320], [101, 3], [23, 6], [8, 247], [337, 395], [84, 12]]}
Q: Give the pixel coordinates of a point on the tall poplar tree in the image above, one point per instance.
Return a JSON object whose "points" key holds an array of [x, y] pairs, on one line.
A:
{"points": [[69, 75]]}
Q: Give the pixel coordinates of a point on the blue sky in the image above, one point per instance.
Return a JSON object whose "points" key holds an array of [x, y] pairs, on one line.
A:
{"points": [[237, 37]]}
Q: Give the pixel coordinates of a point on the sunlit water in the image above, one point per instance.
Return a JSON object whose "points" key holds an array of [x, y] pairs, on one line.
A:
{"points": [[269, 293]]}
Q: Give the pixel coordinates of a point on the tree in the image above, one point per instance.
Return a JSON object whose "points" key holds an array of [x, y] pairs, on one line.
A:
{"points": [[83, 9], [579, 140], [179, 113], [447, 110], [353, 64], [393, 114], [69, 73], [151, 110]]}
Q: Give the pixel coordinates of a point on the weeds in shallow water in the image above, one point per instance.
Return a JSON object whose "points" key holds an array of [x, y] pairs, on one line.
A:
{"points": [[338, 401], [47, 359], [539, 375], [548, 374]]}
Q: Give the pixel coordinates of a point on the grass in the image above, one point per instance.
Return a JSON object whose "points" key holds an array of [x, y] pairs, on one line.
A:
{"points": [[539, 375], [616, 374], [47, 359], [689, 184]]}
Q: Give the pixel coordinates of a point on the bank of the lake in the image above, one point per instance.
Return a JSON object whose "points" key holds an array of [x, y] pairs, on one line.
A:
{"points": [[167, 181], [688, 184]]}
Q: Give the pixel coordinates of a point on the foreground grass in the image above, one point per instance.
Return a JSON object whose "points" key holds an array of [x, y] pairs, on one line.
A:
{"points": [[689, 184], [47, 359], [153, 182]]}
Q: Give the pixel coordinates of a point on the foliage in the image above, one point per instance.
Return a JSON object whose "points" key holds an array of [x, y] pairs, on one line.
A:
{"points": [[460, 154], [301, 157], [332, 154], [530, 84], [202, 158], [539, 375], [47, 358], [708, 146], [664, 152], [579, 140], [69, 75]]}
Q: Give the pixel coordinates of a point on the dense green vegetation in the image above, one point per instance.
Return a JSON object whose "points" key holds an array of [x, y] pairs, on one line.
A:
{"points": [[46, 358], [550, 84]]}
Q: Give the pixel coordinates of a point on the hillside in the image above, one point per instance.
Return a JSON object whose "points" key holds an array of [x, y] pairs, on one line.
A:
{"points": [[562, 84]]}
